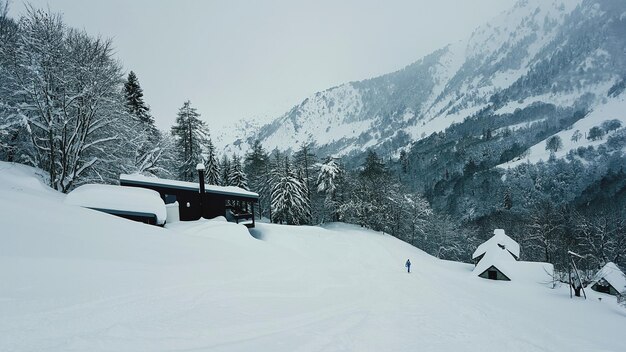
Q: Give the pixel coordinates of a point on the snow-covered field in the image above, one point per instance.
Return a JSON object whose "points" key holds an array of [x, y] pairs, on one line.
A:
{"points": [[73, 279]]}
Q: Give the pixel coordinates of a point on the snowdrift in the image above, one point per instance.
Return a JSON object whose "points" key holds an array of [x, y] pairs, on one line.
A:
{"points": [[119, 198]]}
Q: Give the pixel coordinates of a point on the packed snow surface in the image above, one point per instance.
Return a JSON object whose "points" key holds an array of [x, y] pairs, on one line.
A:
{"points": [[120, 198], [78, 280]]}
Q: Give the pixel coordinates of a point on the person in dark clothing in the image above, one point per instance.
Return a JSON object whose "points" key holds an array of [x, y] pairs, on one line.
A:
{"points": [[408, 266]]}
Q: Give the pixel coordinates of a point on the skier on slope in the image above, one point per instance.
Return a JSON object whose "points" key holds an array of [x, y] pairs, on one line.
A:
{"points": [[408, 266]]}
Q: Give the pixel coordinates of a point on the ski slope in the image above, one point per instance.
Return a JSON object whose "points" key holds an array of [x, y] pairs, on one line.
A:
{"points": [[73, 279]]}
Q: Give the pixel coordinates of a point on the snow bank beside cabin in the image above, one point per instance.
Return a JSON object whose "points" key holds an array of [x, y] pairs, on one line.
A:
{"points": [[26, 180], [119, 198]]}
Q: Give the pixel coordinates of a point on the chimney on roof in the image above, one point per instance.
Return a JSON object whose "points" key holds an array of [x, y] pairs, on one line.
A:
{"points": [[200, 168]]}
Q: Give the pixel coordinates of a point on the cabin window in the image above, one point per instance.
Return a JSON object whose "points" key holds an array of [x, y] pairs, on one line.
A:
{"points": [[170, 198], [492, 275]]}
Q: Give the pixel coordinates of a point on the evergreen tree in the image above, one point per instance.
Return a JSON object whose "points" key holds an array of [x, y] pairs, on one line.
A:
{"points": [[304, 216], [289, 203], [224, 171], [373, 168], [595, 133], [133, 93], [150, 150], [553, 144], [508, 201], [212, 173], [191, 135], [328, 182], [304, 159], [257, 169], [416, 218], [374, 199], [404, 161], [237, 177]]}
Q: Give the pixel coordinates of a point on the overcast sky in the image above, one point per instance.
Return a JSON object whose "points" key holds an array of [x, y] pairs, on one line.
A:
{"points": [[237, 59]]}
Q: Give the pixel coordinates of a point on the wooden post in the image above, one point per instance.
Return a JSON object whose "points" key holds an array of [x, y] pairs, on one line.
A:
{"points": [[569, 279], [572, 255], [200, 168]]}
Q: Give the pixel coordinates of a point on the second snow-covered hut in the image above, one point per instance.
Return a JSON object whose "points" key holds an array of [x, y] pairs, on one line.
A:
{"points": [[610, 279], [497, 259]]}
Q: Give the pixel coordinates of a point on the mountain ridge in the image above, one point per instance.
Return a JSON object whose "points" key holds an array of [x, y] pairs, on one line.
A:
{"points": [[558, 52]]}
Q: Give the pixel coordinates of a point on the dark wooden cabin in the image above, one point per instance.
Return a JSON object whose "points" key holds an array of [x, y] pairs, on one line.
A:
{"points": [[234, 203]]}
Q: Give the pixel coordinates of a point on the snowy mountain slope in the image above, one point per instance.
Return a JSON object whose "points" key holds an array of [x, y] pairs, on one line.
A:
{"points": [[563, 52], [613, 109], [77, 280]]}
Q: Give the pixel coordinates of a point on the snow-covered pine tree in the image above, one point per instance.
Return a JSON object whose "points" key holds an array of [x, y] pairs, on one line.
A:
{"points": [[133, 94], [237, 177], [288, 198], [328, 182], [190, 134], [150, 148], [276, 171], [256, 167], [305, 160], [212, 173], [417, 217], [508, 200], [373, 191], [305, 212], [225, 171]]}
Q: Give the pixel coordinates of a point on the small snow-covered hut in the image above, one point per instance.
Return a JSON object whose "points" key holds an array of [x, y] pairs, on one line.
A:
{"points": [[497, 259], [498, 240], [495, 264], [610, 279], [500, 265], [132, 203]]}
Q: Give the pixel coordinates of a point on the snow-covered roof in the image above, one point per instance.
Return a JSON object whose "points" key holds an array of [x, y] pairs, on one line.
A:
{"points": [[497, 257], [613, 275], [194, 186], [533, 272], [119, 198], [499, 240]]}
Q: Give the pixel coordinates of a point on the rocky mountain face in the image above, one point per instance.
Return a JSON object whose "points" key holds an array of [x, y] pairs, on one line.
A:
{"points": [[568, 53]]}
